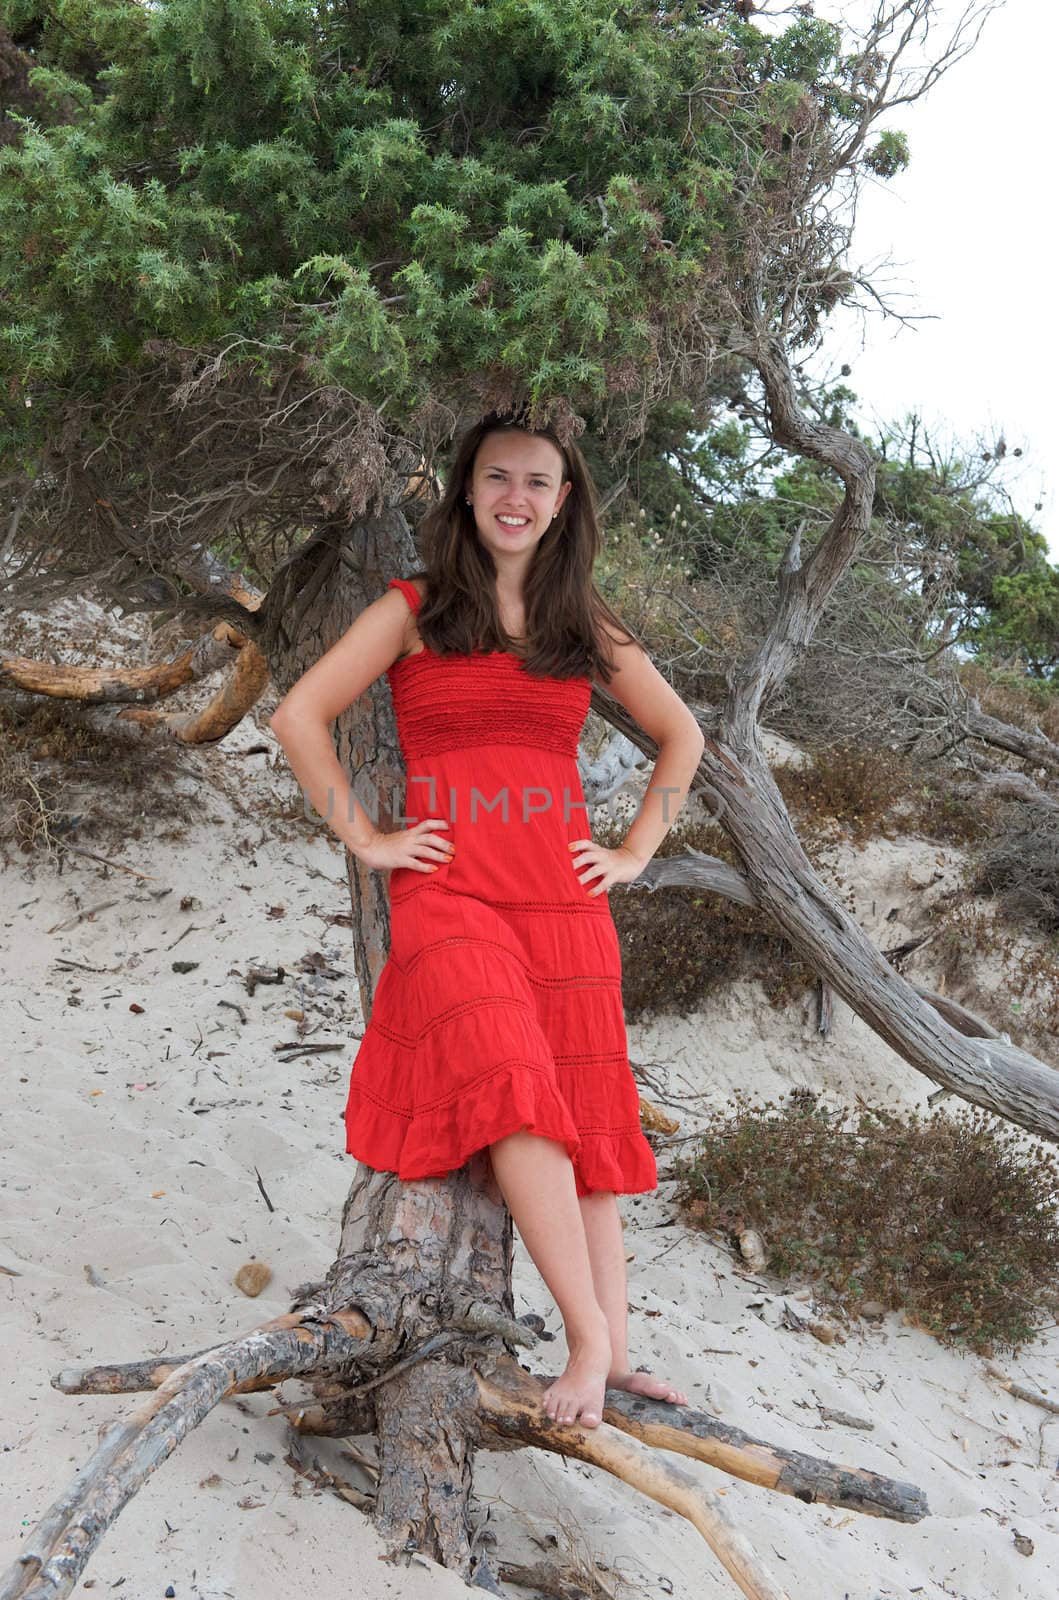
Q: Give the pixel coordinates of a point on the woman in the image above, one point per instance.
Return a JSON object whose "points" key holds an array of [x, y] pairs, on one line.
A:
{"points": [[497, 1024]]}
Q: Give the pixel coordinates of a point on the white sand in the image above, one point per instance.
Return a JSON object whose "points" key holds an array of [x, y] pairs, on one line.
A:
{"points": [[101, 1113]]}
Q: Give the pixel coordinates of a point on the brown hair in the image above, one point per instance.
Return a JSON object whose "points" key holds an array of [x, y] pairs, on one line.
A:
{"points": [[566, 617]]}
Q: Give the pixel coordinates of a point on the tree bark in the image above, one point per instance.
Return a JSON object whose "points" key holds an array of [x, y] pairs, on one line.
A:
{"points": [[317, 595]]}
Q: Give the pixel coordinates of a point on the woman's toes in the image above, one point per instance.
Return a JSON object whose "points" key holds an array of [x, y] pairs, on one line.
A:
{"points": [[647, 1384]]}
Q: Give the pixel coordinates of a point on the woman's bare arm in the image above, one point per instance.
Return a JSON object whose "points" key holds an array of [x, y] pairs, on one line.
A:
{"points": [[641, 689], [303, 720]]}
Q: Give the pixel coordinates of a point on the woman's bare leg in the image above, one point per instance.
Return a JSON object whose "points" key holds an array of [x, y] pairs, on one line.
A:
{"points": [[606, 1251], [536, 1177]]}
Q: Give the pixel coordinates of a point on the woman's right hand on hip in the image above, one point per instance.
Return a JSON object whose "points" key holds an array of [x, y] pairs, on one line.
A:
{"points": [[421, 847]]}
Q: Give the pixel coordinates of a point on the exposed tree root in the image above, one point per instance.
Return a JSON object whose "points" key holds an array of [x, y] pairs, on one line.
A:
{"points": [[511, 1402], [510, 1398], [416, 1353]]}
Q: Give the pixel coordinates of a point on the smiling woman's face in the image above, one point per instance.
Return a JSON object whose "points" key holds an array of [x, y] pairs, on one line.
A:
{"points": [[515, 489]]}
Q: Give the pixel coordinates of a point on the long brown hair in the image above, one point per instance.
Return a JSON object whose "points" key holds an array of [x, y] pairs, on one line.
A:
{"points": [[566, 617]]}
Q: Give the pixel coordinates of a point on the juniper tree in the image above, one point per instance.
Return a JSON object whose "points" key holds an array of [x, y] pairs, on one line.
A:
{"points": [[252, 248], [260, 260]]}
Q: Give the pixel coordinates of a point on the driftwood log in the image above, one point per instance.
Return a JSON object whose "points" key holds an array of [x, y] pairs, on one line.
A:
{"points": [[412, 1336]]}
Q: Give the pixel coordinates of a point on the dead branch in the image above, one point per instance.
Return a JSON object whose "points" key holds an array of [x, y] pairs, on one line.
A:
{"points": [[123, 685], [508, 1395], [1008, 786], [1033, 747], [56, 1550], [1032, 1397], [233, 700], [511, 1406]]}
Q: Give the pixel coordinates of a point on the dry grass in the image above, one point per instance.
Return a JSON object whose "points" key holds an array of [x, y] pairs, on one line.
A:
{"points": [[63, 766], [953, 1218]]}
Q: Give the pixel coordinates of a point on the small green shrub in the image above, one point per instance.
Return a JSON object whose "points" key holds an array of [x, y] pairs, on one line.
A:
{"points": [[935, 811], [1026, 1006], [951, 1217], [870, 792]]}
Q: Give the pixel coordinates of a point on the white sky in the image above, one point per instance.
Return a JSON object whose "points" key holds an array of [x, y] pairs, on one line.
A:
{"points": [[971, 235]]}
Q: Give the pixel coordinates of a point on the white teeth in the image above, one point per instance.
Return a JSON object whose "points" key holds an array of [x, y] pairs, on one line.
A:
{"points": [[514, 522]]}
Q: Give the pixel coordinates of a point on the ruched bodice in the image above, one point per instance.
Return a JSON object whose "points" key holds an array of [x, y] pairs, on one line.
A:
{"points": [[445, 703]]}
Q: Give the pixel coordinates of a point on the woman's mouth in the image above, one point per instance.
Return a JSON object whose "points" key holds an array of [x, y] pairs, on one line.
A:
{"points": [[513, 524]]}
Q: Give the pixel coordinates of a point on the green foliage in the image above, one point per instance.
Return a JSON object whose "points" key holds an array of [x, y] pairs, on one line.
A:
{"points": [[1023, 618], [955, 1219], [429, 203], [888, 156], [516, 194]]}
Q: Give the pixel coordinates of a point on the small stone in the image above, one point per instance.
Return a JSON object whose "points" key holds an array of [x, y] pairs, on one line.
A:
{"points": [[874, 1310], [252, 1278], [1023, 1545], [826, 1332], [170, 1593], [752, 1249]]}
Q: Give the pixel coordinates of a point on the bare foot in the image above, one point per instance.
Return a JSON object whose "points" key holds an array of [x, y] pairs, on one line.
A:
{"points": [[646, 1383], [577, 1394]]}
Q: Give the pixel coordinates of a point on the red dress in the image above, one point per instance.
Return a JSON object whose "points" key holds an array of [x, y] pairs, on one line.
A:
{"points": [[499, 1007]]}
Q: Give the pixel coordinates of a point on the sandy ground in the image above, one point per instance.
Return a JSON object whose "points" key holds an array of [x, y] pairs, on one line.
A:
{"points": [[129, 1197]]}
